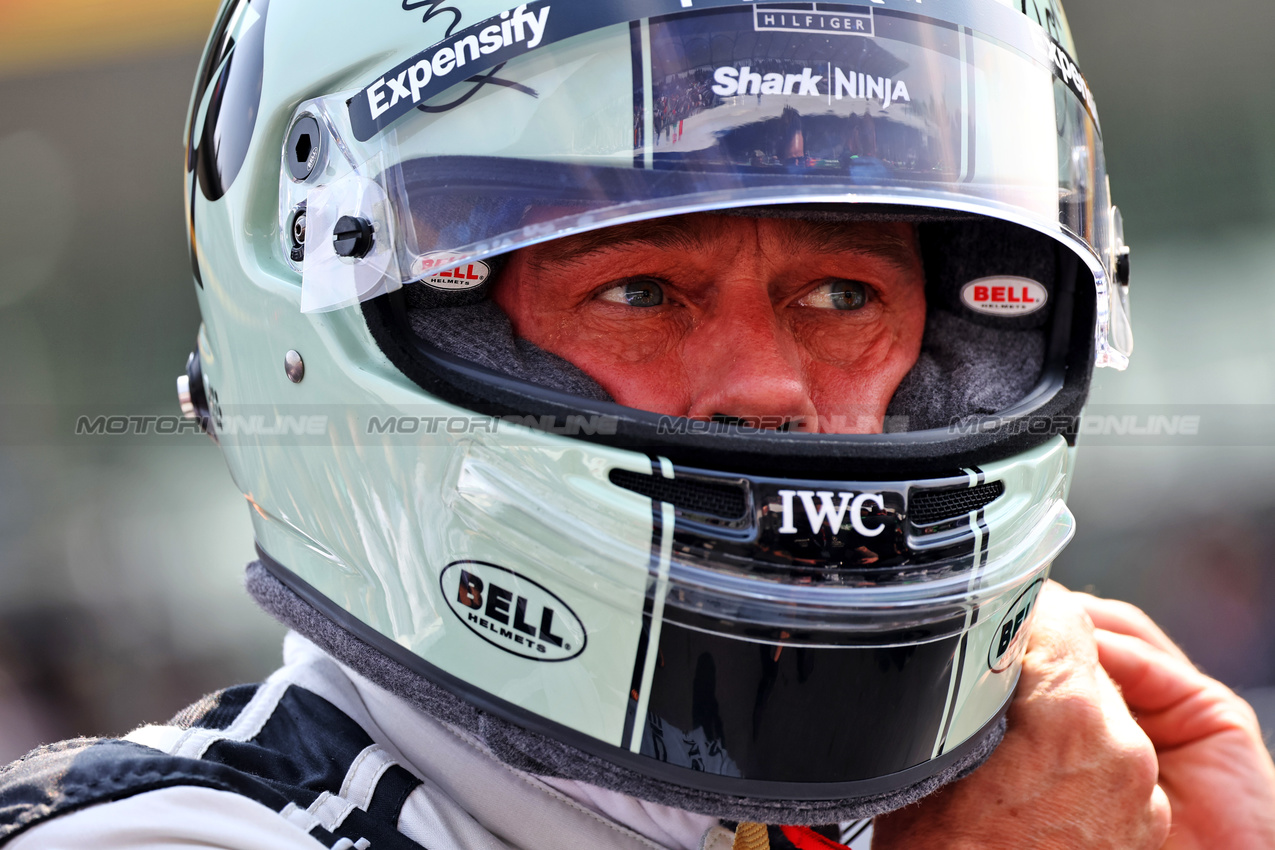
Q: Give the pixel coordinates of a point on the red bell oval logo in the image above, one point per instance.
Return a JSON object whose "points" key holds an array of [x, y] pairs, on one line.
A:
{"points": [[440, 271], [1004, 296]]}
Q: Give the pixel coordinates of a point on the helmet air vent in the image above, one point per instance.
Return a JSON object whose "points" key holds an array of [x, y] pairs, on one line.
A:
{"points": [[938, 504], [717, 499]]}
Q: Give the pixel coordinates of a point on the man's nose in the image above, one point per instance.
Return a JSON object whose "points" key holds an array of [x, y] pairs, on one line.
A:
{"points": [[751, 372]]}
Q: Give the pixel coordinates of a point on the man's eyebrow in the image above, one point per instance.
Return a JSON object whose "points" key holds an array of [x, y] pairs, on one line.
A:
{"points": [[823, 237], [901, 252], [663, 234]]}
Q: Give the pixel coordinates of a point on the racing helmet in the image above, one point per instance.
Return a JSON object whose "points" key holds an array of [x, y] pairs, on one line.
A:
{"points": [[777, 621]]}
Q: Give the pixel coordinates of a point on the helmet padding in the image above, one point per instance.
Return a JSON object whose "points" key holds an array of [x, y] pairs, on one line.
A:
{"points": [[969, 365]]}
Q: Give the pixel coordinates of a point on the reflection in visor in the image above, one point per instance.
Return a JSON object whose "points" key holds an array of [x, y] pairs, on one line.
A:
{"points": [[748, 112], [724, 96], [744, 106], [813, 714]]}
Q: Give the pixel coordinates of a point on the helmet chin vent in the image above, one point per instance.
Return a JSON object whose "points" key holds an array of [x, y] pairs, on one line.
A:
{"points": [[718, 500], [935, 505]]}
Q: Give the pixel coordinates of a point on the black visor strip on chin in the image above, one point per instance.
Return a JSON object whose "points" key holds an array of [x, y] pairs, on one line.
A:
{"points": [[533, 744]]}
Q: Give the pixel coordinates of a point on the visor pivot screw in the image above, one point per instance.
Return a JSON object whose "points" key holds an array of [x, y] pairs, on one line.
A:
{"points": [[304, 148], [352, 237], [293, 366], [298, 237]]}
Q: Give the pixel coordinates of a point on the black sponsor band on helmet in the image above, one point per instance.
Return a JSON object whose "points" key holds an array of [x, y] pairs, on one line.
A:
{"points": [[791, 713]]}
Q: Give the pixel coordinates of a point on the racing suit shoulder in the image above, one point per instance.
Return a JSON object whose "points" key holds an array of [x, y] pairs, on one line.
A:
{"points": [[277, 745]]}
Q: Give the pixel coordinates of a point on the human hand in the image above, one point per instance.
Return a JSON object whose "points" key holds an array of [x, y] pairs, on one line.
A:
{"points": [[1214, 766], [1074, 770]]}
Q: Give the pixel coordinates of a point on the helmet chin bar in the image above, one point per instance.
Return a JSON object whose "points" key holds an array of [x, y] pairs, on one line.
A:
{"points": [[530, 743], [761, 612]]}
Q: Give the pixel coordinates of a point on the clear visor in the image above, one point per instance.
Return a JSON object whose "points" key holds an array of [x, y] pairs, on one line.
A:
{"points": [[726, 108]]}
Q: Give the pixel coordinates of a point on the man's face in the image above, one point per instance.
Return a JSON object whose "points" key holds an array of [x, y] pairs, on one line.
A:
{"points": [[776, 322]]}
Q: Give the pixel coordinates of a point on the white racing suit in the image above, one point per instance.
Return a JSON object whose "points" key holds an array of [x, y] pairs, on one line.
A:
{"points": [[319, 757]]}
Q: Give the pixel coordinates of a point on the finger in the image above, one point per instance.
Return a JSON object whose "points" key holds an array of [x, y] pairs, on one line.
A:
{"points": [[1069, 723], [1062, 666], [1060, 642], [1150, 678], [1122, 725], [1175, 703], [1123, 618]]}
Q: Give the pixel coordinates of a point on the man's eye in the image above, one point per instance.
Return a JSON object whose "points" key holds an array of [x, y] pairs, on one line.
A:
{"points": [[838, 294], [636, 292]]}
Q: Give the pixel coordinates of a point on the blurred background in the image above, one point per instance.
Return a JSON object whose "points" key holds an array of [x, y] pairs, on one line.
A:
{"points": [[121, 560]]}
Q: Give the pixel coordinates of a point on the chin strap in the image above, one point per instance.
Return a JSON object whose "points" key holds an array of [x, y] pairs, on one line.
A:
{"points": [[751, 836]]}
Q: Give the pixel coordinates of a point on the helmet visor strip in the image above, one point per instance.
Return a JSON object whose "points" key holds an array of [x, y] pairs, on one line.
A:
{"points": [[730, 107]]}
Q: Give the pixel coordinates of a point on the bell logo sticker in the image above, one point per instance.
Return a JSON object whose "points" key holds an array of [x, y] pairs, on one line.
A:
{"points": [[1010, 639], [441, 271], [512, 612], [1004, 296]]}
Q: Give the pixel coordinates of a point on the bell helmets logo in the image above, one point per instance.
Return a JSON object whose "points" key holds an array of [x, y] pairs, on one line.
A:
{"points": [[1004, 296], [512, 612], [440, 271], [1011, 638]]}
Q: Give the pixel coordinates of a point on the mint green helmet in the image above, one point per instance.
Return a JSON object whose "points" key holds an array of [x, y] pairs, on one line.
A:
{"points": [[731, 616]]}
